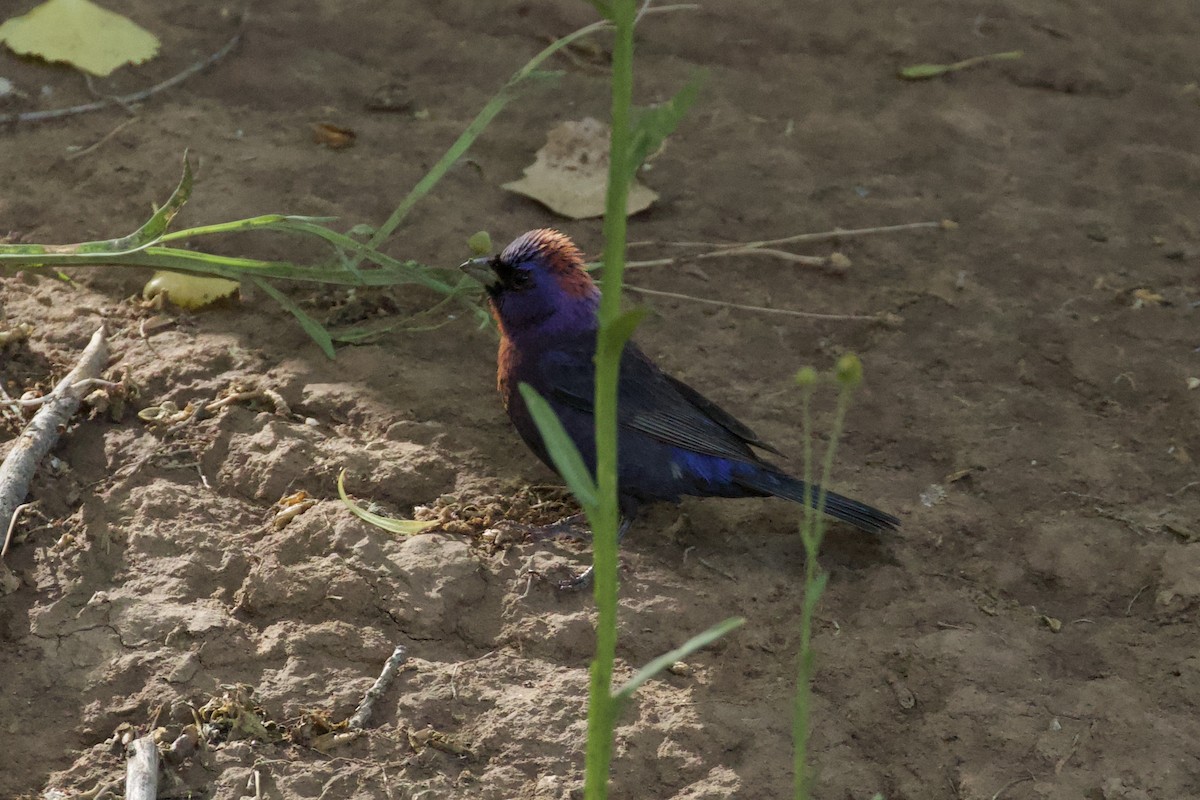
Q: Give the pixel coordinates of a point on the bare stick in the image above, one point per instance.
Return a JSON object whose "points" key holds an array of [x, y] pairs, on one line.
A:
{"points": [[42, 432], [12, 526], [787, 311], [802, 237], [127, 99], [35, 402], [362, 714], [95, 145], [141, 771]]}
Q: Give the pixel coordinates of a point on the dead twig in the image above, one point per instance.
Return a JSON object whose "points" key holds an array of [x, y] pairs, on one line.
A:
{"points": [[837, 233], [12, 526], [362, 714], [141, 771], [92, 147], [126, 99], [36, 402], [763, 309], [42, 432]]}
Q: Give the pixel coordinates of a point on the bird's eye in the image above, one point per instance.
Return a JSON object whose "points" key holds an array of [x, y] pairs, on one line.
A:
{"points": [[520, 279]]}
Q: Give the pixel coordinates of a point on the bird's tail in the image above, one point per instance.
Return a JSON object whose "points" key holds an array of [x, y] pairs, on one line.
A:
{"points": [[860, 515]]}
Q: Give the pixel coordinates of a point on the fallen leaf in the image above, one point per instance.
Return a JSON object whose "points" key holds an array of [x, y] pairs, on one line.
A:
{"points": [[332, 136], [79, 33], [394, 97], [570, 174], [1147, 297], [188, 291]]}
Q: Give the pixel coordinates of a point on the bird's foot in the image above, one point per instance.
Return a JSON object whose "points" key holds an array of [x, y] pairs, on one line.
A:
{"points": [[579, 583]]}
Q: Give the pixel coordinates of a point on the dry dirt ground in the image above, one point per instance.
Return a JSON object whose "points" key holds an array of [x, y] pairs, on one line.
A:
{"points": [[1030, 633]]}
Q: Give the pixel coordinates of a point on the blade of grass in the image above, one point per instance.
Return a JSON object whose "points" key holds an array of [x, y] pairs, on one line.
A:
{"points": [[310, 325], [264, 221], [697, 642], [918, 72], [484, 118], [651, 126], [150, 232], [404, 527], [562, 450]]}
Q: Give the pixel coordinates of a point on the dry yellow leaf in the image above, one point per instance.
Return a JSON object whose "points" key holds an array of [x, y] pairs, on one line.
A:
{"points": [[570, 175], [81, 34], [189, 291]]}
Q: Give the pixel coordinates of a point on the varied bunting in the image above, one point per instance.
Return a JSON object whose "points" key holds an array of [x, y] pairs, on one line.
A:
{"points": [[672, 440]]}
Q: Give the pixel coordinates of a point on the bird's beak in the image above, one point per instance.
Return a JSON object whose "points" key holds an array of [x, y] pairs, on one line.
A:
{"points": [[481, 270]]}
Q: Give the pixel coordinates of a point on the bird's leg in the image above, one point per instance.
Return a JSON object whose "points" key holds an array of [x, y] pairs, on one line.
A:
{"points": [[567, 526], [584, 579]]}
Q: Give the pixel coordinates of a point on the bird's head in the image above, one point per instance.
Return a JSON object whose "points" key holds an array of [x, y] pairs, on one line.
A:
{"points": [[538, 285]]}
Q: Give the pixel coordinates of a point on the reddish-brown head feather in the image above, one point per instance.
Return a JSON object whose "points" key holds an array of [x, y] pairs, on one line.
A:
{"points": [[558, 253]]}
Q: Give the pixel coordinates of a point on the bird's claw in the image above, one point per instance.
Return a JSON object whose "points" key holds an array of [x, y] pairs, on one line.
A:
{"points": [[577, 584]]}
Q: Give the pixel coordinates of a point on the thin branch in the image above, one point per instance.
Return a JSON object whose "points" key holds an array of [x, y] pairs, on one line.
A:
{"points": [[36, 402], [362, 715], [100, 142], [141, 771], [12, 526], [127, 99], [42, 432], [785, 311], [823, 236]]}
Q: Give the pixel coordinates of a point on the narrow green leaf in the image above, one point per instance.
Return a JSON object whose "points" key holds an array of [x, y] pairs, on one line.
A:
{"points": [[603, 7], [310, 325], [157, 225], [261, 222], [919, 72], [697, 642], [618, 333], [651, 126], [563, 451], [149, 233], [404, 527]]}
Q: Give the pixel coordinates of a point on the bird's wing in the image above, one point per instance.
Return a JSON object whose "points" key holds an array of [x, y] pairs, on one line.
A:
{"points": [[653, 403]]}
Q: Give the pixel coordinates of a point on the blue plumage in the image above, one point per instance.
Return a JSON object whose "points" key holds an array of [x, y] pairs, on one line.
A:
{"points": [[672, 440]]}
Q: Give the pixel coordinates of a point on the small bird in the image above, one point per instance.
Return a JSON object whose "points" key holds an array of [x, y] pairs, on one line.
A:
{"points": [[672, 441]]}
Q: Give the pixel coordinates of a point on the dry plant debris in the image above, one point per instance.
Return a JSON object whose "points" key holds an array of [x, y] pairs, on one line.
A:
{"points": [[79, 33], [570, 173], [530, 505]]}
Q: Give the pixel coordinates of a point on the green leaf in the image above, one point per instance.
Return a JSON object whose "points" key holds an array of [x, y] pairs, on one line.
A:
{"points": [[918, 72], [150, 232], [603, 7], [361, 229], [651, 126], [618, 333], [310, 325], [562, 450], [693, 644], [480, 243], [404, 527]]}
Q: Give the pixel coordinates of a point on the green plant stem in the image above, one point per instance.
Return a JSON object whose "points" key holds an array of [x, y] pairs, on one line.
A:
{"points": [[602, 707], [804, 661], [812, 532]]}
